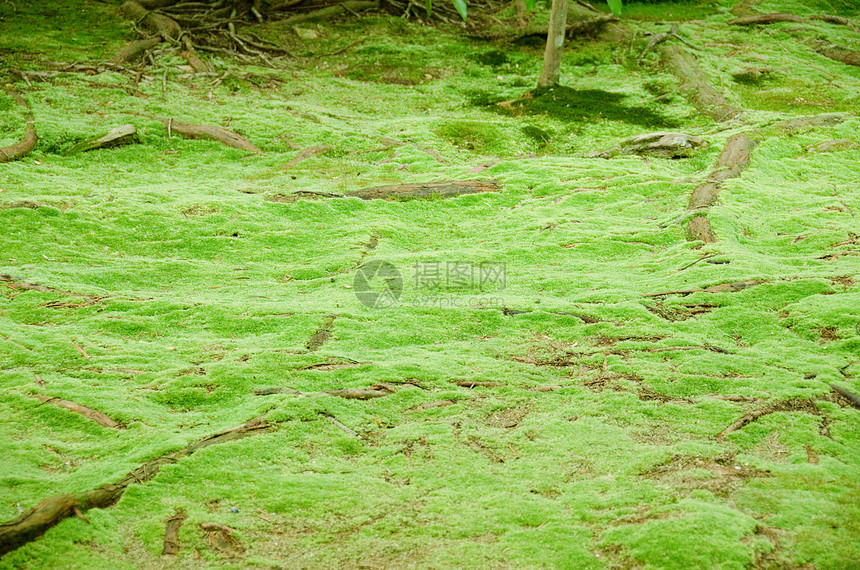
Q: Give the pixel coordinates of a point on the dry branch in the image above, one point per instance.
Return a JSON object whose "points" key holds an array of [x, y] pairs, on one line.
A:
{"points": [[28, 143], [95, 415], [219, 134], [694, 83], [426, 190], [32, 524]]}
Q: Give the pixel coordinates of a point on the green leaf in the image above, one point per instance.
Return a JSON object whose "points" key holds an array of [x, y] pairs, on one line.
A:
{"points": [[429, 5], [460, 5], [615, 6], [531, 5]]}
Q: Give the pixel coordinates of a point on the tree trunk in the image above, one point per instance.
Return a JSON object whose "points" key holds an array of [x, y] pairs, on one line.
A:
{"points": [[554, 44]]}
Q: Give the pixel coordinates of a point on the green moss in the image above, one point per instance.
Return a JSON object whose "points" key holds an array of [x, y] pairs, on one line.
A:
{"points": [[169, 289]]}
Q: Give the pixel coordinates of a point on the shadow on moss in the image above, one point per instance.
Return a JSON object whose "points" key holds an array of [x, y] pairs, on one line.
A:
{"points": [[577, 105]]}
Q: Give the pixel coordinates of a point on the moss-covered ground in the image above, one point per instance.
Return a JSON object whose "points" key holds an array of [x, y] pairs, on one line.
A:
{"points": [[173, 284]]}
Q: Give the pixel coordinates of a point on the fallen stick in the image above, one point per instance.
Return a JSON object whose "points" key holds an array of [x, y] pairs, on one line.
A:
{"points": [[28, 143], [95, 415], [33, 523]]}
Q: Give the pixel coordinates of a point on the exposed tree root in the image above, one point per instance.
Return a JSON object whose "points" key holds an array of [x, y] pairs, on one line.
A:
{"points": [[794, 405], [694, 83], [734, 158], [307, 153], [584, 318], [18, 284], [853, 398], [28, 143], [219, 134], [721, 288], [95, 415], [120, 136], [171, 534], [840, 54], [135, 50], [33, 523], [477, 384], [219, 538], [773, 18], [780, 17], [156, 23], [375, 391], [321, 335], [427, 190]]}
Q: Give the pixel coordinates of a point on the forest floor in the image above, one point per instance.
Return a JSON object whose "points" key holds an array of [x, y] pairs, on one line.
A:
{"points": [[556, 374]]}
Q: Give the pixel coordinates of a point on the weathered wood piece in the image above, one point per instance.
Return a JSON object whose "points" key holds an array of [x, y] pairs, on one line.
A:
{"points": [[426, 190], [33, 523], [219, 134], [28, 143], [695, 85], [95, 415], [660, 144], [120, 136], [734, 158]]}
